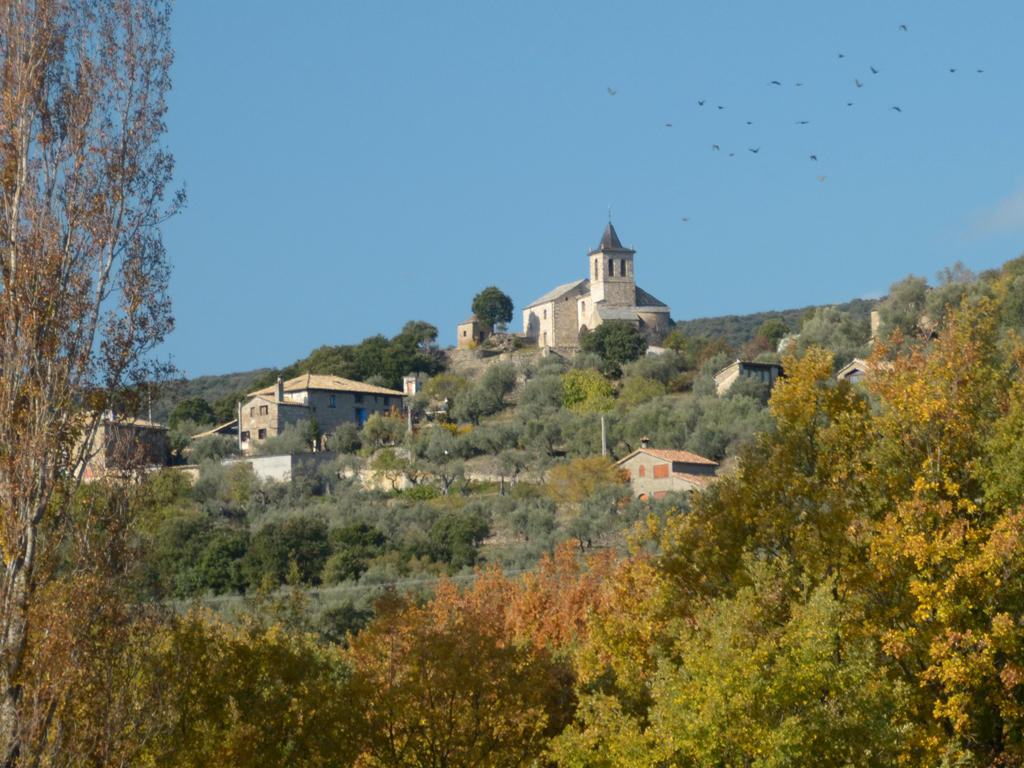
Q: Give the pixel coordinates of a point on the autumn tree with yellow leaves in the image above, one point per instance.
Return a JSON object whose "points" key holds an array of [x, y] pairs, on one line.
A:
{"points": [[83, 180], [852, 595]]}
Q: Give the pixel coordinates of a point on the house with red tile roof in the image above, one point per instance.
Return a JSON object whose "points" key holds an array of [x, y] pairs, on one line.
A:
{"points": [[653, 472]]}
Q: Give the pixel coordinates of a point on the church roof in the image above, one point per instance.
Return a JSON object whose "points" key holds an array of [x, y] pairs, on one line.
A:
{"points": [[558, 292], [610, 241], [644, 299]]}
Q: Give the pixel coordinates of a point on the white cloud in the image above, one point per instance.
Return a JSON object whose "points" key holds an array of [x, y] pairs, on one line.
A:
{"points": [[1007, 215]]}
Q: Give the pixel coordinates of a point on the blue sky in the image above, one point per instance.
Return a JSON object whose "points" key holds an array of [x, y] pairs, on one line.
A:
{"points": [[354, 165]]}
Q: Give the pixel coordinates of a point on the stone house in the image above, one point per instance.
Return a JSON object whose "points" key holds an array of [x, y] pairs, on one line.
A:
{"points": [[764, 372], [653, 472], [122, 445], [471, 332], [609, 292], [329, 400]]}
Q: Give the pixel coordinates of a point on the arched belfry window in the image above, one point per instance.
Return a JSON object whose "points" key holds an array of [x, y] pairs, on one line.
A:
{"points": [[622, 267], [611, 267]]}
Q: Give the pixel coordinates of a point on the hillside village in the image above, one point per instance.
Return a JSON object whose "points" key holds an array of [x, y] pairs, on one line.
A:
{"points": [[554, 327], [601, 411]]}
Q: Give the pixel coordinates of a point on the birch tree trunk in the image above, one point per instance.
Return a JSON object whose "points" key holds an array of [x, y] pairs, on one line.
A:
{"points": [[82, 269]]}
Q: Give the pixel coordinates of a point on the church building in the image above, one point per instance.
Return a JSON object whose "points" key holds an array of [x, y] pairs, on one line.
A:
{"points": [[609, 292]]}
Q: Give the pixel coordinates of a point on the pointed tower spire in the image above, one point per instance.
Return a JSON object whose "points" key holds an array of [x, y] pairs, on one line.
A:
{"points": [[610, 240]]}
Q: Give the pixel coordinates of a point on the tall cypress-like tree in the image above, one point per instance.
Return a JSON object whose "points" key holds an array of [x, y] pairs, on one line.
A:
{"points": [[83, 178]]}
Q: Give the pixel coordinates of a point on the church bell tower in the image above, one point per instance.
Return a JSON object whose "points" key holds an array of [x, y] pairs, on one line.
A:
{"points": [[611, 272]]}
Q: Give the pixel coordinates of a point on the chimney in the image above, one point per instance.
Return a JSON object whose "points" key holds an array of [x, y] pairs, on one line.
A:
{"points": [[645, 442], [279, 390]]}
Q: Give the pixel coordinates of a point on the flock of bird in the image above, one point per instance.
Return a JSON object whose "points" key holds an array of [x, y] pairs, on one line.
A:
{"points": [[857, 82]]}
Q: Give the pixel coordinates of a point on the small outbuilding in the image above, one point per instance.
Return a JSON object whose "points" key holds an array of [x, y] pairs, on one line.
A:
{"points": [[471, 332]]}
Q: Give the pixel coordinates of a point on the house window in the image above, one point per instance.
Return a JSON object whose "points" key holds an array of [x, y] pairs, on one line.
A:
{"points": [[622, 267], [252, 410], [611, 267], [643, 471], [261, 434], [245, 436], [264, 410], [545, 314], [661, 470], [463, 333], [359, 398], [332, 401]]}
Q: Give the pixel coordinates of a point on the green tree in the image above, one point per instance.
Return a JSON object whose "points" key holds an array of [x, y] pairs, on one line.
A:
{"points": [[492, 307], [194, 409], [773, 330], [839, 332], [486, 396], [391, 465], [616, 341], [380, 430], [904, 307], [275, 548], [586, 391], [354, 546], [455, 537]]}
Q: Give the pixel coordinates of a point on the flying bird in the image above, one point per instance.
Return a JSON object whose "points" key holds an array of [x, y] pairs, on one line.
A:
{"points": [[858, 83], [798, 84], [732, 154], [611, 91], [685, 218], [700, 102], [821, 178], [755, 150], [849, 103], [814, 158], [952, 70], [896, 108], [668, 125], [715, 147], [873, 70], [980, 71], [903, 27], [802, 122], [750, 122], [774, 82], [720, 106], [842, 55]]}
